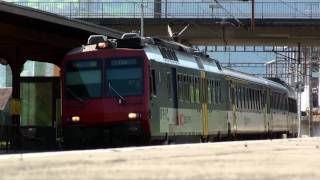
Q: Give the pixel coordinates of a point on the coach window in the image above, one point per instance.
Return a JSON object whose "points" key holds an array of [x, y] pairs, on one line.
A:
{"points": [[237, 96], [287, 103], [235, 93], [212, 92], [240, 97], [183, 91], [153, 82], [284, 102], [251, 99], [216, 91], [255, 99], [191, 85], [209, 91], [195, 89], [179, 87], [197, 98], [169, 84], [263, 99], [255, 92], [274, 101], [259, 99], [271, 100], [219, 93], [83, 79], [187, 88], [244, 97], [278, 101]]}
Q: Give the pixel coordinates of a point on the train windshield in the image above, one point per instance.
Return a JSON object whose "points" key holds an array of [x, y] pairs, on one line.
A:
{"points": [[124, 77], [83, 79]]}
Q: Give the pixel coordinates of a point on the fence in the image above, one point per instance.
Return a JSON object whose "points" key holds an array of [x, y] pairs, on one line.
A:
{"points": [[180, 9]]}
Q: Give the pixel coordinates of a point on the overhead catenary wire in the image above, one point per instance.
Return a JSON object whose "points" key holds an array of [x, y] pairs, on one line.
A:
{"points": [[235, 18], [294, 8]]}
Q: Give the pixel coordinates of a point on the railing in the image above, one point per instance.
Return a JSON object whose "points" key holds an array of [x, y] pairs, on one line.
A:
{"points": [[180, 9]]}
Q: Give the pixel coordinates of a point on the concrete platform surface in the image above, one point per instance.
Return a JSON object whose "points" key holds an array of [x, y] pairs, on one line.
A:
{"points": [[268, 160]]}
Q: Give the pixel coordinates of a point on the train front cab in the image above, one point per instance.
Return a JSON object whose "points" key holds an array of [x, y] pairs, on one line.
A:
{"points": [[105, 94]]}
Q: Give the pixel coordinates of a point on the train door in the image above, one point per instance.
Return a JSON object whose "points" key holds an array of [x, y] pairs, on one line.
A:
{"points": [[169, 101], [269, 111], [265, 108], [204, 104], [233, 118], [173, 88]]}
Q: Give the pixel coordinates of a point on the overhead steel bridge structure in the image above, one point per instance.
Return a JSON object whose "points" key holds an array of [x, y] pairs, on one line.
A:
{"points": [[211, 22]]}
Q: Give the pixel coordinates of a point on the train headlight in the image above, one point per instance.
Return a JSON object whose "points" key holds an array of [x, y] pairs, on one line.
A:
{"points": [[133, 115], [75, 118], [102, 45]]}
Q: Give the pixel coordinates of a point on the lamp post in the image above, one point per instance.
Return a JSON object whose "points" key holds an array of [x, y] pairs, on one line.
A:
{"points": [[142, 20], [253, 22]]}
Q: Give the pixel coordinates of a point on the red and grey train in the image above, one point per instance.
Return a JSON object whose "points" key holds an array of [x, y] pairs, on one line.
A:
{"points": [[137, 89]]}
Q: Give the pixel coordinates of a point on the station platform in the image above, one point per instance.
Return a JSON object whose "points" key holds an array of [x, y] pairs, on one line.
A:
{"points": [[263, 159]]}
